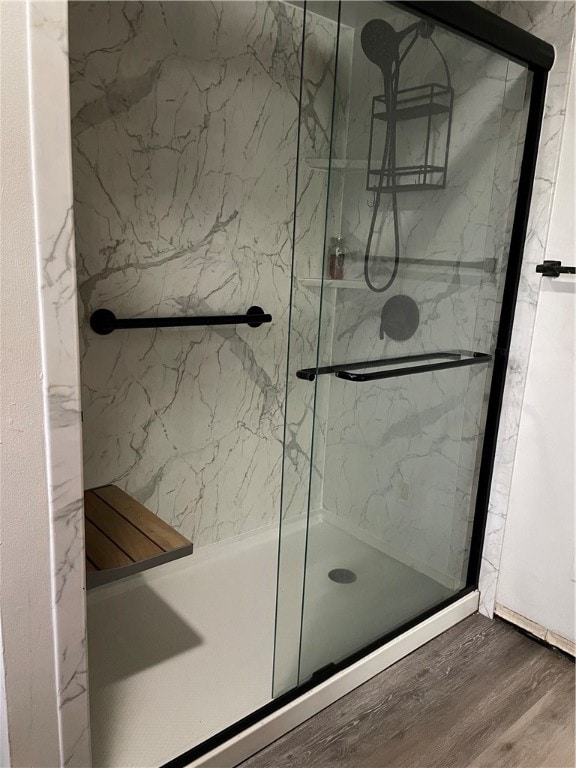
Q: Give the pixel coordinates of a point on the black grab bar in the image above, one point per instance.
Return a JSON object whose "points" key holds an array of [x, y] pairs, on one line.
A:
{"points": [[103, 321], [454, 359]]}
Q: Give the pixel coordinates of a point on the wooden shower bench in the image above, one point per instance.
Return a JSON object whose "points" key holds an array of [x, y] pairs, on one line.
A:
{"points": [[123, 537]]}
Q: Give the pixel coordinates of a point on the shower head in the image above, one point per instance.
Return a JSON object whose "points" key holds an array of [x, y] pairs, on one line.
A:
{"points": [[381, 44]]}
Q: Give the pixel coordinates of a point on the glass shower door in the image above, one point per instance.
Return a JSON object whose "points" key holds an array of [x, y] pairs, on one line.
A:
{"points": [[404, 213]]}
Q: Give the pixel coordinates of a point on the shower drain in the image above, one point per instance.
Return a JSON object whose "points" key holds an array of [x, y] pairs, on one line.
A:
{"points": [[342, 576]]}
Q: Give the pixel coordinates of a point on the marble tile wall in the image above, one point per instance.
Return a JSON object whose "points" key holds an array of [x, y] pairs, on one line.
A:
{"points": [[184, 121]]}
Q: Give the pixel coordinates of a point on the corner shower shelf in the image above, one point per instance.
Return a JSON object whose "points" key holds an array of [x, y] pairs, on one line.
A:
{"points": [[334, 164], [316, 282], [123, 537], [412, 175], [412, 267]]}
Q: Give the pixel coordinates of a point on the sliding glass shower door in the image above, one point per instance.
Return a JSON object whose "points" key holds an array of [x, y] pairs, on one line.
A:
{"points": [[407, 181]]}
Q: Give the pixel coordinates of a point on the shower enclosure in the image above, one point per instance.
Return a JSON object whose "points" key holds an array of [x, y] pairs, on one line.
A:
{"points": [[299, 232], [417, 174]]}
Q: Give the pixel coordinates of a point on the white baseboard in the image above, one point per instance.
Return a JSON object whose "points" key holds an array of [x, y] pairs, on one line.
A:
{"points": [[553, 638], [273, 726]]}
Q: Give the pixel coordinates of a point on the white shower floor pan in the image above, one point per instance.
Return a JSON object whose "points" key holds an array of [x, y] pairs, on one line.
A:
{"points": [[180, 652]]}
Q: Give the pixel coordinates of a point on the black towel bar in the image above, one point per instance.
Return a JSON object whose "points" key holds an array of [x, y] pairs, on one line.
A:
{"points": [[103, 321], [452, 359]]}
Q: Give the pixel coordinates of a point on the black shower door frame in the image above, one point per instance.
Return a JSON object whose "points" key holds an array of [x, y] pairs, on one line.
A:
{"points": [[488, 30], [485, 28]]}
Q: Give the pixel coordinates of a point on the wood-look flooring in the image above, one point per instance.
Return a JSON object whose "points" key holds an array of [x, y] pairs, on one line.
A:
{"points": [[481, 695]]}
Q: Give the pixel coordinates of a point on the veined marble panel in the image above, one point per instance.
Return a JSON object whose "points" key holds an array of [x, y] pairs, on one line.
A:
{"points": [[185, 120], [48, 50]]}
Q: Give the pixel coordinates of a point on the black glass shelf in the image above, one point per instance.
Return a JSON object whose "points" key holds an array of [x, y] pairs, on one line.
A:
{"points": [[408, 178], [413, 103], [415, 111]]}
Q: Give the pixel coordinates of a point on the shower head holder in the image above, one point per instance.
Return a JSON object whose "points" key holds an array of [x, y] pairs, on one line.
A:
{"points": [[426, 109]]}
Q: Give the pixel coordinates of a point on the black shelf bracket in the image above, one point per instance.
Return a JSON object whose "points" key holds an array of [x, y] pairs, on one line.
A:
{"points": [[103, 321], [554, 269]]}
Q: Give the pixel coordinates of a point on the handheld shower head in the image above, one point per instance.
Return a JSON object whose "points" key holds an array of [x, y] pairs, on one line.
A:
{"points": [[381, 44]]}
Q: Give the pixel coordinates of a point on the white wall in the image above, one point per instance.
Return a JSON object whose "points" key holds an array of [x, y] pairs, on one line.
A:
{"points": [[30, 713], [537, 573]]}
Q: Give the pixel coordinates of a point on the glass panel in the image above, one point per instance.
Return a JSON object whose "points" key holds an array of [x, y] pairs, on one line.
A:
{"points": [[390, 540], [420, 188], [185, 139], [301, 479]]}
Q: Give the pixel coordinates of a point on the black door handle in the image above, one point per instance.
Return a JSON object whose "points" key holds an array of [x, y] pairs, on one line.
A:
{"points": [[554, 269]]}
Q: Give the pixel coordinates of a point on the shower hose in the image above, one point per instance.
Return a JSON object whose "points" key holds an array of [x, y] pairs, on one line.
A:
{"points": [[390, 62], [388, 159]]}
